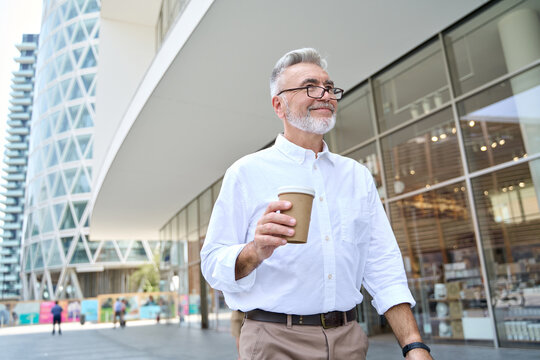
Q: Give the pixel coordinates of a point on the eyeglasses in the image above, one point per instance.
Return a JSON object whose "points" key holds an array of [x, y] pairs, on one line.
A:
{"points": [[317, 92]]}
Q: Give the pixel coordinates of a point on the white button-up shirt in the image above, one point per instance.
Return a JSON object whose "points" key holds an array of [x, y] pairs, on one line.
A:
{"points": [[350, 241]]}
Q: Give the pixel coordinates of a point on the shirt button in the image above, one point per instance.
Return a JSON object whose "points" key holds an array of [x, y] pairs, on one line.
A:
{"points": [[327, 238], [329, 276], [321, 198]]}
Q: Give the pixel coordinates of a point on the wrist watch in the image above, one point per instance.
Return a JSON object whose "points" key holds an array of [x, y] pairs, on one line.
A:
{"points": [[415, 345]]}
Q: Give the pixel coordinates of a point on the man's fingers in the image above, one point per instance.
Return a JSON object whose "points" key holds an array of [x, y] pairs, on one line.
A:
{"points": [[274, 229], [265, 241], [278, 205], [278, 218]]}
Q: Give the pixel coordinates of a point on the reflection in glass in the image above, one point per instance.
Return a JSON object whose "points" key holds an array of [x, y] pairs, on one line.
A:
{"points": [[502, 123], [422, 154], [414, 87], [354, 121], [367, 156], [500, 40], [509, 220], [435, 234]]}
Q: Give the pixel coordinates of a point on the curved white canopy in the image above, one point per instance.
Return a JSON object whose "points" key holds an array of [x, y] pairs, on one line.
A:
{"points": [[205, 105]]}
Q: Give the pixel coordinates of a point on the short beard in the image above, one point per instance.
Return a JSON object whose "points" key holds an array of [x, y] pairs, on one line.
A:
{"points": [[310, 124]]}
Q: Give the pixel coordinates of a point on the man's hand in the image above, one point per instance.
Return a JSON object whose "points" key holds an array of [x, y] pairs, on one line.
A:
{"points": [[271, 228]]}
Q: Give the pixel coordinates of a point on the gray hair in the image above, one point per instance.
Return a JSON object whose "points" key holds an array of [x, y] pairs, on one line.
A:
{"points": [[305, 55]]}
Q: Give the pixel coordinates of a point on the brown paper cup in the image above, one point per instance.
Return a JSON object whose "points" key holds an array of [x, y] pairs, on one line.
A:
{"points": [[301, 198]]}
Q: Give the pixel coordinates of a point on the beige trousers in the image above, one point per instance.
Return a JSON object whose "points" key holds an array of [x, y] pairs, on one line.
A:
{"points": [[264, 340]]}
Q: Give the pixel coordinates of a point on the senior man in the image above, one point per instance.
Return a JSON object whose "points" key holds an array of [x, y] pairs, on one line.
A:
{"points": [[300, 299]]}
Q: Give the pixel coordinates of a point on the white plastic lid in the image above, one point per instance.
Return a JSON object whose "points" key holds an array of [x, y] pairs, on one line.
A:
{"points": [[296, 189]]}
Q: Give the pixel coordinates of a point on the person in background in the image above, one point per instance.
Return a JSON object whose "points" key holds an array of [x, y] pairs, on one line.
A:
{"points": [[124, 309], [118, 309], [56, 311]]}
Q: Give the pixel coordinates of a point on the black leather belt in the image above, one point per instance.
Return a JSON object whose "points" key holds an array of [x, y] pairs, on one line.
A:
{"points": [[329, 320]]}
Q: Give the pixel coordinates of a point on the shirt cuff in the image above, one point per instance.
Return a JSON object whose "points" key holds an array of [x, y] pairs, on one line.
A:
{"points": [[225, 273], [392, 296]]}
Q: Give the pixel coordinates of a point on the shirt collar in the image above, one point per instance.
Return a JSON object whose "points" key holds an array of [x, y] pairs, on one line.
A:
{"points": [[298, 153]]}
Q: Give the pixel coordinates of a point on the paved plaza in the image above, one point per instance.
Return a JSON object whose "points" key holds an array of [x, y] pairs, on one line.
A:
{"points": [[147, 340]]}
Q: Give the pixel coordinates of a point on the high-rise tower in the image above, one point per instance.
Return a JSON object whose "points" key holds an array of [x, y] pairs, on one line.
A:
{"points": [[16, 157]]}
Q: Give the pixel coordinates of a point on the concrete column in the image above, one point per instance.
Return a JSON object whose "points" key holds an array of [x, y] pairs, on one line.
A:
{"points": [[519, 32]]}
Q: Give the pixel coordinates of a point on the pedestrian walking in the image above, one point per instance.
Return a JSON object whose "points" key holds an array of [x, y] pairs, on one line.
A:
{"points": [[118, 312], [56, 312], [300, 299]]}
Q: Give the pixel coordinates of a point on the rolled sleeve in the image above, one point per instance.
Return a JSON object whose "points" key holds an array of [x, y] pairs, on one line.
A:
{"points": [[385, 298], [224, 271]]}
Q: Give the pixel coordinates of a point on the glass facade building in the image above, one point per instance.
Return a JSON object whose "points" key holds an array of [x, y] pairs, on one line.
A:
{"points": [[59, 260], [451, 134], [15, 160]]}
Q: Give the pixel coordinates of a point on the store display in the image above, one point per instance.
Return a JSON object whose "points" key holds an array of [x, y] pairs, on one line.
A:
{"points": [[442, 310], [453, 289], [517, 301], [460, 298], [440, 291], [457, 329], [445, 330], [455, 310]]}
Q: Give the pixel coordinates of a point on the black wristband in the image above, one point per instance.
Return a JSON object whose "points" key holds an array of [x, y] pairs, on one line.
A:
{"points": [[414, 345]]}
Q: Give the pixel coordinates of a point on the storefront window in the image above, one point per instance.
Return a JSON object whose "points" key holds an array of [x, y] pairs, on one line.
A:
{"points": [[493, 44], [368, 157], [509, 219], [354, 122], [414, 87], [502, 123], [437, 241], [422, 154]]}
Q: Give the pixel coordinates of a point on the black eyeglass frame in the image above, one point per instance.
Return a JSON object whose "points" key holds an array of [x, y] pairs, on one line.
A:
{"points": [[331, 91]]}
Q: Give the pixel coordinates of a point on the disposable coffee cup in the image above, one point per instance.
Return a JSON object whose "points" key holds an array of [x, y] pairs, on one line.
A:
{"points": [[301, 198]]}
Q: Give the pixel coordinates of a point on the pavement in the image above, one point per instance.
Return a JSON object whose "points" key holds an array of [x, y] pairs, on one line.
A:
{"points": [[147, 340]]}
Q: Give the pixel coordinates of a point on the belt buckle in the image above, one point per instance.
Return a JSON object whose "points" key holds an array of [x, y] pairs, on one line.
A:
{"points": [[334, 322], [323, 322]]}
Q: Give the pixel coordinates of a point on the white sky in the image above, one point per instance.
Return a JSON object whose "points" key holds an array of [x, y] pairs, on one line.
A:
{"points": [[17, 17]]}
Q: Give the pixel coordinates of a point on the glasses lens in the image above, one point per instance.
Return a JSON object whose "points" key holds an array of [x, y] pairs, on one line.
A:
{"points": [[315, 92], [337, 93]]}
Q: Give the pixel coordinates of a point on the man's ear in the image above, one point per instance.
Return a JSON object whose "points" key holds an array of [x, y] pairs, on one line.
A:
{"points": [[279, 106]]}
